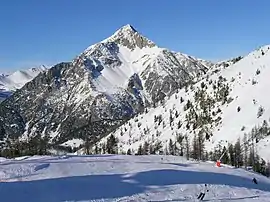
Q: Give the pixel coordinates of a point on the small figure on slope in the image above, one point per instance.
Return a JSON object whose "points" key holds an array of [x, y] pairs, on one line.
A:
{"points": [[202, 194], [255, 180]]}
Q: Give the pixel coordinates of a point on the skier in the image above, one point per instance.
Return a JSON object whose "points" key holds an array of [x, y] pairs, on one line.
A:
{"points": [[202, 194], [255, 180]]}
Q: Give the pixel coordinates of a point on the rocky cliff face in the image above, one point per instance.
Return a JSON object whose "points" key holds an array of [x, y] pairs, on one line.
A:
{"points": [[100, 89]]}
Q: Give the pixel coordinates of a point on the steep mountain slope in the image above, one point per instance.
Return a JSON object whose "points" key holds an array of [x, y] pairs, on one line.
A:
{"points": [[100, 89], [223, 106], [126, 179], [16, 80]]}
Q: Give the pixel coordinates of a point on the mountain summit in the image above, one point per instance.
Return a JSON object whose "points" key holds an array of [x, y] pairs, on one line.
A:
{"points": [[129, 37], [126, 36]]}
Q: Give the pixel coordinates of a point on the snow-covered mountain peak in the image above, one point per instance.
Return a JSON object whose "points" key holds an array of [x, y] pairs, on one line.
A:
{"points": [[129, 37], [127, 28], [113, 80]]}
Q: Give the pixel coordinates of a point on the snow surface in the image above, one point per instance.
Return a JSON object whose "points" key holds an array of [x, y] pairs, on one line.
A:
{"points": [[73, 143], [125, 178], [240, 77]]}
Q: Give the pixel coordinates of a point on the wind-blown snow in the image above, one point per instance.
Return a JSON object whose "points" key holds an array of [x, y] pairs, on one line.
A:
{"points": [[125, 178]]}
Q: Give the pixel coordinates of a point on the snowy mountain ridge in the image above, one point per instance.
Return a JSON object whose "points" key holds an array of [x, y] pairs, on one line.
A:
{"points": [[127, 53], [9, 83], [18, 79], [224, 106]]}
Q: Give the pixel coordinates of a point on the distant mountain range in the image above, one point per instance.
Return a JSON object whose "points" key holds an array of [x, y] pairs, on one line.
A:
{"points": [[16, 80]]}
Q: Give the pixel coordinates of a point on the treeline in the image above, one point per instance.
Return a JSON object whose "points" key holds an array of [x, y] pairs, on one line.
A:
{"points": [[35, 145], [242, 154]]}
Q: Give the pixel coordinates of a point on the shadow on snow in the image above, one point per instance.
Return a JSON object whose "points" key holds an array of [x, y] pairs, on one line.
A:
{"points": [[90, 187], [214, 199]]}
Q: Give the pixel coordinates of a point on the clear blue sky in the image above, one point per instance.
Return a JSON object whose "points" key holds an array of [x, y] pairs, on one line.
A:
{"points": [[37, 32]]}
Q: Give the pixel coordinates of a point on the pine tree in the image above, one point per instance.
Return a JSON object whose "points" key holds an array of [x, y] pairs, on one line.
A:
{"points": [[238, 154], [171, 118], [201, 146], [158, 146], [211, 156], [264, 129], [187, 147], [128, 152], [145, 148], [238, 109], [96, 149], [245, 143], [140, 150], [257, 165], [175, 149], [176, 114], [171, 147], [181, 100], [251, 158], [179, 124], [231, 154], [195, 149], [180, 138], [225, 157], [206, 157], [152, 149], [112, 145], [87, 144], [252, 152], [260, 112], [263, 167], [104, 148], [267, 172]]}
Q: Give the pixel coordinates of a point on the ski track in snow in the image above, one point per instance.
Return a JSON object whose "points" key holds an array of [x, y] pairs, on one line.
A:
{"points": [[125, 179]]}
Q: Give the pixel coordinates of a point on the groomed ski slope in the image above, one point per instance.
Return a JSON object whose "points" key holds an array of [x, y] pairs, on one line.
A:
{"points": [[124, 178]]}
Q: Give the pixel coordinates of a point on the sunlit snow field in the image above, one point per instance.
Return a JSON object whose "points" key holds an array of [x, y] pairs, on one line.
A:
{"points": [[124, 178]]}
